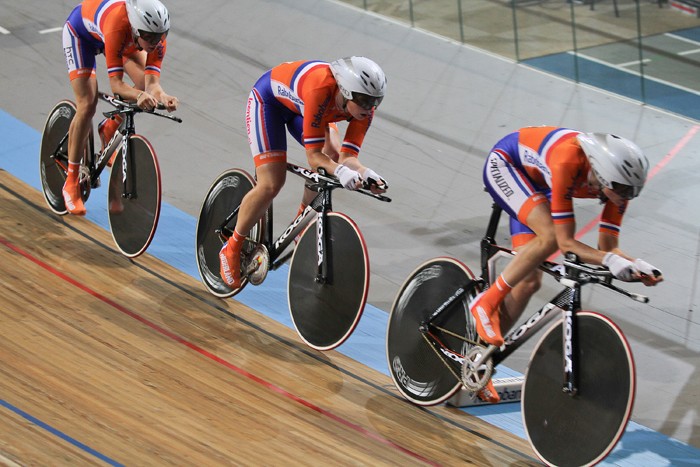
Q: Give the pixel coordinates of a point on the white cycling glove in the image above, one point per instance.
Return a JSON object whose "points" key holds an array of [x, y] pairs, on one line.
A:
{"points": [[646, 268], [348, 177], [373, 178], [620, 267]]}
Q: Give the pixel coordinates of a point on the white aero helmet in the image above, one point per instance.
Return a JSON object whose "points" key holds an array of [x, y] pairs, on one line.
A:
{"points": [[618, 163], [360, 80], [148, 16]]}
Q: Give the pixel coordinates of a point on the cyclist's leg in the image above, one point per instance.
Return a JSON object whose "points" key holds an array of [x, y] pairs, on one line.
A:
{"points": [[265, 122], [525, 202], [515, 302], [80, 59], [270, 179]]}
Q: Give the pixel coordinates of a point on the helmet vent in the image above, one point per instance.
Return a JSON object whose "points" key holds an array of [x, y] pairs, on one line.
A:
{"points": [[366, 79]]}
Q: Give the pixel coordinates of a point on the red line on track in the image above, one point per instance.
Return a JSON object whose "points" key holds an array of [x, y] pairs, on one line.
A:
{"points": [[662, 163], [229, 365]]}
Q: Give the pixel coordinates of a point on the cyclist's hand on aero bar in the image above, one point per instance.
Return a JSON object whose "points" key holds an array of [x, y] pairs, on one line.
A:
{"points": [[146, 101], [169, 103], [349, 178], [650, 275], [374, 182], [621, 268]]}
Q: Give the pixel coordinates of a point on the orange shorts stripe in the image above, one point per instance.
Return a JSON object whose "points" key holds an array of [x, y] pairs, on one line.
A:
{"points": [[270, 158], [535, 200], [82, 73], [519, 240]]}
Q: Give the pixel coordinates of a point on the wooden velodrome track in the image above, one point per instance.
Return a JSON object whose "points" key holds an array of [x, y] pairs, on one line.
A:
{"points": [[132, 362]]}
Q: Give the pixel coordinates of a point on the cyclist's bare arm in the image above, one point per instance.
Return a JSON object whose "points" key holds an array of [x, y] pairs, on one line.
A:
{"points": [[566, 241]]}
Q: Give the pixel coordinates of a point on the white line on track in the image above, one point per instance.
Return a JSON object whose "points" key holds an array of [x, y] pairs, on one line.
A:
{"points": [[3, 30], [681, 38], [632, 72], [634, 62], [50, 30]]}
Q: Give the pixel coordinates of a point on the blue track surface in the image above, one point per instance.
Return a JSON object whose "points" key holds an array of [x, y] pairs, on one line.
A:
{"points": [[625, 83], [19, 151]]}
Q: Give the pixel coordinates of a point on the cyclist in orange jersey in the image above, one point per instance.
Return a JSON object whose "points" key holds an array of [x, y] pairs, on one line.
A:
{"points": [[534, 174], [132, 36], [305, 98]]}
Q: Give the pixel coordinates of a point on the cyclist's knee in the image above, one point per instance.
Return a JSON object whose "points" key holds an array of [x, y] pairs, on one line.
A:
{"points": [[547, 242], [85, 109], [268, 190]]}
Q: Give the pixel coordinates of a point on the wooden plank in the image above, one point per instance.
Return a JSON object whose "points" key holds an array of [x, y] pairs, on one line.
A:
{"points": [[134, 360]]}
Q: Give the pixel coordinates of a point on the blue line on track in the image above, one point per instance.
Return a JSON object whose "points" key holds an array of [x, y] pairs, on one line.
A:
{"points": [[59, 434]]}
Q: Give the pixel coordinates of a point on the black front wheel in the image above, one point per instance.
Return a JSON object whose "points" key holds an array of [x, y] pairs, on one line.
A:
{"points": [[326, 309], [134, 197], [580, 429]]}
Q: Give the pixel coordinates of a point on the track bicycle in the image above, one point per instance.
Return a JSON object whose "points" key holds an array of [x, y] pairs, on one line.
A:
{"points": [[134, 194], [580, 383], [329, 269]]}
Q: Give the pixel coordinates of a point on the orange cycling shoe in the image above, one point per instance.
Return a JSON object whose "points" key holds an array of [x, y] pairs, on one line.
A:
{"points": [[489, 394], [487, 319], [230, 261], [73, 200]]}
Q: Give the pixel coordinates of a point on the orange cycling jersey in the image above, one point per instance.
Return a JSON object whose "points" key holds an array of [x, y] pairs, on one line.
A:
{"points": [[547, 160], [106, 21], [308, 88]]}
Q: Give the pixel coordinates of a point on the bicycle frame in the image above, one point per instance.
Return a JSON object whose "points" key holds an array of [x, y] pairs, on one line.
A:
{"points": [[96, 163], [324, 185], [571, 274]]}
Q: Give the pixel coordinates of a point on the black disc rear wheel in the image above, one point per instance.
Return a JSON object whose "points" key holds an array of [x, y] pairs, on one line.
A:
{"points": [[419, 366], [53, 156], [223, 197]]}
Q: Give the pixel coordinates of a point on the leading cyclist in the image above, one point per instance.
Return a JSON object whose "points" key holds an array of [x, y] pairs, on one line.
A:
{"points": [[534, 174], [306, 98], [131, 34]]}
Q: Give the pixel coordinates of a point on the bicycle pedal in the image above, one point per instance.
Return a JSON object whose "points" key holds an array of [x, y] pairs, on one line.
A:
{"points": [[260, 265]]}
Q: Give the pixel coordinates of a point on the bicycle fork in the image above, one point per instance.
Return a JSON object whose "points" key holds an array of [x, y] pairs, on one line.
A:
{"points": [[569, 339], [323, 271]]}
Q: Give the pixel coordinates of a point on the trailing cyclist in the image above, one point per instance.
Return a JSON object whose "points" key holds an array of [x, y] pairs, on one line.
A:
{"points": [[306, 98], [534, 174], [132, 36]]}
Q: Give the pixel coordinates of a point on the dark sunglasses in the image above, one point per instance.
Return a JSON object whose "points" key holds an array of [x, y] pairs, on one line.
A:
{"points": [[152, 38], [625, 191], [365, 101]]}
